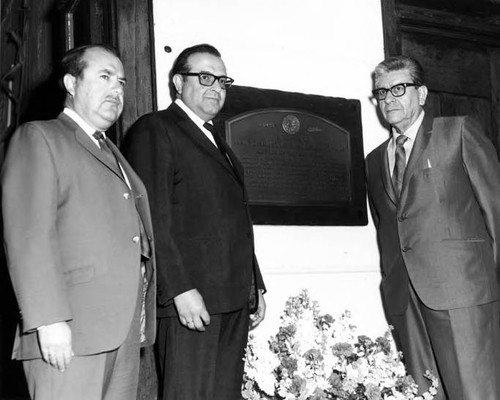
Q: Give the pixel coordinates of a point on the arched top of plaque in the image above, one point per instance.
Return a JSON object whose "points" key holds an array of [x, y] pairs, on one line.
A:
{"points": [[279, 120]]}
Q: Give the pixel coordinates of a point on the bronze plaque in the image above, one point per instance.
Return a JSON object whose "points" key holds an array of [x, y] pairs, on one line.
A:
{"points": [[302, 154], [291, 157]]}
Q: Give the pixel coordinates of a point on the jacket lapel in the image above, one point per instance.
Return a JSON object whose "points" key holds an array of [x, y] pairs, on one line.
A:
{"points": [[385, 173], [200, 139], [236, 167], [420, 145], [87, 143]]}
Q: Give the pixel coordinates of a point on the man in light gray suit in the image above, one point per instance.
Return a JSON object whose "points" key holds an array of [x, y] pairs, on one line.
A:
{"points": [[78, 239], [434, 190]]}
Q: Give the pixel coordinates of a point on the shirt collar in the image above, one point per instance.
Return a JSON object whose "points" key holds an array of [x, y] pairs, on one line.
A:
{"points": [[197, 120], [412, 131], [81, 122]]}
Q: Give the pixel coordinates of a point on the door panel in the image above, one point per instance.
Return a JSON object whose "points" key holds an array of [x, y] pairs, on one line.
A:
{"points": [[450, 65], [458, 46]]}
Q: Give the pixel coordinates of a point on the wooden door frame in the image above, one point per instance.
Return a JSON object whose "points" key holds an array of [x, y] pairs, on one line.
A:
{"points": [[135, 42], [391, 28]]}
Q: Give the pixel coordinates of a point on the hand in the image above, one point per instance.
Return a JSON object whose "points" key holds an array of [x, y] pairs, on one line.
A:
{"points": [[192, 311], [55, 344], [258, 316]]}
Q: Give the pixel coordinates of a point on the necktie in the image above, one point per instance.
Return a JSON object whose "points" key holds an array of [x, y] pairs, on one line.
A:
{"points": [[400, 164], [107, 151], [218, 140]]}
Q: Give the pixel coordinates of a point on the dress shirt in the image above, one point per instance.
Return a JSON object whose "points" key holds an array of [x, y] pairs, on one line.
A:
{"points": [[82, 124], [90, 132], [197, 120], [411, 133]]}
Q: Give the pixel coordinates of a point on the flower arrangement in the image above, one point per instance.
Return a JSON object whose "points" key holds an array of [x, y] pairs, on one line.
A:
{"points": [[315, 357]]}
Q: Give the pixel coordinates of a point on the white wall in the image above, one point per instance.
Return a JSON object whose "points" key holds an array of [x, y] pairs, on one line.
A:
{"points": [[324, 47]]}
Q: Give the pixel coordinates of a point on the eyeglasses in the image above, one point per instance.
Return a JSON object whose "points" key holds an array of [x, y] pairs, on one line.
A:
{"points": [[397, 91], [208, 79]]}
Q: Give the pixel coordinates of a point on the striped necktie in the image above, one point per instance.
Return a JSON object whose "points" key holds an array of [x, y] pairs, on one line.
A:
{"points": [[399, 164], [107, 151]]}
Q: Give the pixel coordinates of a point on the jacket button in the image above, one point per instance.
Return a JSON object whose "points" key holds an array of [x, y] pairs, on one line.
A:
{"points": [[405, 249], [126, 196], [135, 239], [402, 217]]}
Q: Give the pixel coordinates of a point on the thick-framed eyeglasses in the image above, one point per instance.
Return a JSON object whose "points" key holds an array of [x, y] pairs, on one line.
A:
{"points": [[397, 91], [208, 79]]}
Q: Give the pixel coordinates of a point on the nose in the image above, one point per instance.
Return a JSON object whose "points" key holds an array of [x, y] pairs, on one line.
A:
{"points": [[118, 88]]}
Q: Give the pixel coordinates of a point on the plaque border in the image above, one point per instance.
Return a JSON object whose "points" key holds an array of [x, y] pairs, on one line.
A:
{"points": [[346, 114]]}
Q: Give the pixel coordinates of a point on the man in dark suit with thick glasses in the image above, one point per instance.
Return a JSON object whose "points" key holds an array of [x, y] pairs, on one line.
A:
{"points": [[207, 271], [434, 190]]}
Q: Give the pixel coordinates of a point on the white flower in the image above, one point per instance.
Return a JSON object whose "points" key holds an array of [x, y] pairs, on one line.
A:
{"points": [[316, 355], [260, 364]]}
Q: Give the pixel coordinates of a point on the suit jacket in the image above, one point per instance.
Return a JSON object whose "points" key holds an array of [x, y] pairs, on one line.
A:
{"points": [[204, 235], [71, 229], [443, 234]]}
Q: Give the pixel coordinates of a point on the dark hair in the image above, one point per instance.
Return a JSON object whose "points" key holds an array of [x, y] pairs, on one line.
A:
{"points": [[181, 63], [73, 63], [398, 63]]}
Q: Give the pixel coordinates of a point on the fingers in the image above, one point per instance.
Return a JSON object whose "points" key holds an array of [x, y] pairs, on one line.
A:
{"points": [[55, 345], [192, 311], [196, 323], [205, 317], [258, 317], [58, 359], [201, 321]]}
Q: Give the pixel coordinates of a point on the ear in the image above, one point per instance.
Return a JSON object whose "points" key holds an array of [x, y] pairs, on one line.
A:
{"points": [[69, 83], [178, 83], [422, 94]]}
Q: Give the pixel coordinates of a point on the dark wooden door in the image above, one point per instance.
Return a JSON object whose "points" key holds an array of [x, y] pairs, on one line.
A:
{"points": [[458, 45]]}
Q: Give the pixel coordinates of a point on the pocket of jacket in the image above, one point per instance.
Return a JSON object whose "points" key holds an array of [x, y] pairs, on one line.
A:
{"points": [[430, 173], [79, 275]]}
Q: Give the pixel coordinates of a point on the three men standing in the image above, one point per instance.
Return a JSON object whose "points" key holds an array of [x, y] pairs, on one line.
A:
{"points": [[207, 270], [434, 190], [79, 244]]}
